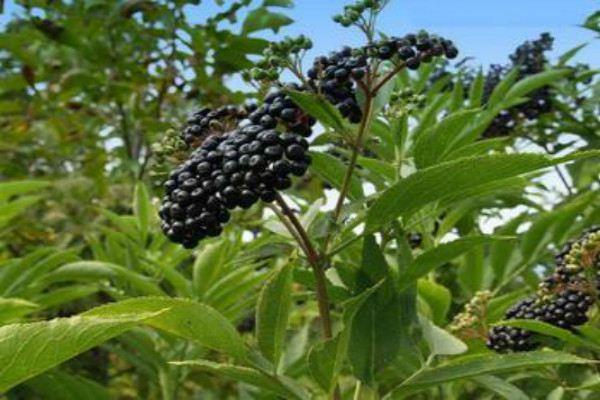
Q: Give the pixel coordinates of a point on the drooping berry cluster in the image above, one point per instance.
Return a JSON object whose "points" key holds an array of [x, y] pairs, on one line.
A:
{"points": [[225, 172], [332, 76], [529, 58], [563, 299], [246, 154]]}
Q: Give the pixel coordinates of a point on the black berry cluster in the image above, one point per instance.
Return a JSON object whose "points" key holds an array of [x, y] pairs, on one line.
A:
{"points": [[529, 58], [563, 299], [205, 122], [334, 76], [233, 170], [503, 338], [279, 108]]}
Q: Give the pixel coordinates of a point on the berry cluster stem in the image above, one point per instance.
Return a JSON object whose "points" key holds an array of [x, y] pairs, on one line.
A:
{"points": [[317, 267], [364, 126]]}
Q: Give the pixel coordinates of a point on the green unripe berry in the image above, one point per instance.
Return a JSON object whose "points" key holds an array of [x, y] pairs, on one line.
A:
{"points": [[353, 15]]}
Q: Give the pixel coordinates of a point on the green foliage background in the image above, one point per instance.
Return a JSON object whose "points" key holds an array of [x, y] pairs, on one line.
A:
{"points": [[96, 303]]}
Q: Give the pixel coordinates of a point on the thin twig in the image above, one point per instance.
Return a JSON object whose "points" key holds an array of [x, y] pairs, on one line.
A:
{"points": [[318, 270], [563, 179], [389, 76], [354, 156], [285, 221], [311, 253]]}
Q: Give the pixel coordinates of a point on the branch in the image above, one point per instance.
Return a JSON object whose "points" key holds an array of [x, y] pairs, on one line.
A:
{"points": [[317, 267], [389, 76]]}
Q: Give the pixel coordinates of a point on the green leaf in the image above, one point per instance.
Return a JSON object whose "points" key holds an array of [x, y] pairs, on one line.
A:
{"points": [[326, 359], [322, 110], [476, 90], [592, 22], [442, 254], [472, 272], [209, 261], [499, 93], [452, 178], [272, 312], [262, 18], [533, 82], [482, 364], [566, 57], [185, 318], [57, 385], [11, 309], [27, 350], [374, 266], [441, 342], [591, 333], [438, 298], [376, 336], [435, 142], [65, 295], [94, 270], [142, 208], [380, 168], [501, 387], [543, 328], [8, 189], [279, 385], [30, 273], [332, 171], [13, 208], [376, 333]]}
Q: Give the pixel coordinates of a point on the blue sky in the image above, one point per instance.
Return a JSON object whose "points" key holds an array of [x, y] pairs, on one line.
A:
{"points": [[487, 30]]}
